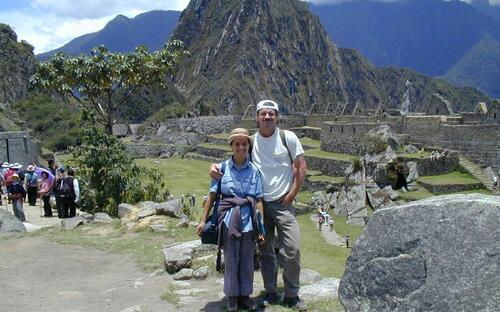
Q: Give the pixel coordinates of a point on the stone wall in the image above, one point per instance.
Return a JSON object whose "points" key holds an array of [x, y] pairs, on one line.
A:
{"points": [[450, 188], [427, 167], [308, 132], [192, 131], [331, 167], [16, 146], [144, 150]]}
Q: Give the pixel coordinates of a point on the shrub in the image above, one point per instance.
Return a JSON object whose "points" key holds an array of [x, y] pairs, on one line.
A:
{"points": [[108, 175]]}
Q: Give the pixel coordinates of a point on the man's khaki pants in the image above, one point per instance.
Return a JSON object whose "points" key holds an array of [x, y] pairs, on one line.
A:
{"points": [[281, 218]]}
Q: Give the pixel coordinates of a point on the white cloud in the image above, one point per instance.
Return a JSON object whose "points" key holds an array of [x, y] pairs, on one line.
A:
{"points": [[49, 24]]}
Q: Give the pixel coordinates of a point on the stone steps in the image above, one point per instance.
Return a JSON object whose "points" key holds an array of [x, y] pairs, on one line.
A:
{"points": [[478, 173]]}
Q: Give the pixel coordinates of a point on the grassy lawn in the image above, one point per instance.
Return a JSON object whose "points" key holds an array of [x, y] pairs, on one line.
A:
{"points": [[450, 178], [323, 178], [144, 247], [219, 135], [182, 176], [329, 155], [317, 254], [216, 146], [310, 142], [419, 193], [416, 155]]}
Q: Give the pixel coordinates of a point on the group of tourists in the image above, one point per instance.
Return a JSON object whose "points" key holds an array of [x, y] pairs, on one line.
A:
{"points": [[435, 155], [38, 182], [324, 218], [259, 183]]}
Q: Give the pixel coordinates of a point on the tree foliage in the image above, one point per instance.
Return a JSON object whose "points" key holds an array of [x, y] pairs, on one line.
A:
{"points": [[107, 175], [104, 81]]}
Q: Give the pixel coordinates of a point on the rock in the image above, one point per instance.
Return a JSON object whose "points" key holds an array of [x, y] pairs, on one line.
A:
{"points": [[393, 195], [135, 308], [146, 212], [31, 227], [385, 133], [183, 274], [180, 255], [71, 223], [437, 254], [325, 289], [201, 273], [171, 208], [10, 223], [352, 204], [413, 172], [102, 217], [159, 227], [411, 149], [190, 292], [308, 276], [125, 209], [87, 217], [180, 284], [183, 222]]}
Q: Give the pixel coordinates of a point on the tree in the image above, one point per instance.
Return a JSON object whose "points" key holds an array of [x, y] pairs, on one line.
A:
{"points": [[104, 81], [107, 174]]}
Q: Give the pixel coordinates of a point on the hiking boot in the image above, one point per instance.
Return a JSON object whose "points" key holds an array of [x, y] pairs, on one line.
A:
{"points": [[295, 303], [247, 303], [232, 304], [270, 299]]}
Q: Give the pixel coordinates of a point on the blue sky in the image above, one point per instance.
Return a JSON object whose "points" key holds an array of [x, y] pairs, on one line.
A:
{"points": [[48, 24]]}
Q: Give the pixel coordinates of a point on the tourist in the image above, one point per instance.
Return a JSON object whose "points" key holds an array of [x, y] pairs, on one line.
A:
{"points": [[31, 179], [495, 181], [241, 187], [16, 193], [330, 223], [321, 218], [52, 167], [56, 186], [44, 194], [69, 191], [280, 158]]}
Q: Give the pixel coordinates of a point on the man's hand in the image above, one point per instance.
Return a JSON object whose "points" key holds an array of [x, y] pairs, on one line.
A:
{"points": [[215, 172], [199, 227], [287, 199], [261, 239]]}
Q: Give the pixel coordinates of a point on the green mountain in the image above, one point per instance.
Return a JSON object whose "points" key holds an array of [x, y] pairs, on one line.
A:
{"points": [[122, 34], [433, 37], [244, 51]]}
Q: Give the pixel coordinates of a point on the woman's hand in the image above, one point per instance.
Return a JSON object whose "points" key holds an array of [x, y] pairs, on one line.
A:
{"points": [[261, 239], [199, 227]]}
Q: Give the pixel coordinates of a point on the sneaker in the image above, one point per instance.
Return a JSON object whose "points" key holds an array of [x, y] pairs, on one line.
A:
{"points": [[295, 303], [232, 304], [270, 299], [247, 303]]}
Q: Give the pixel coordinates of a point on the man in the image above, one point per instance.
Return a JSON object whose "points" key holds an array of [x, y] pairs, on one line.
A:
{"points": [[69, 190], [31, 181], [283, 169]]}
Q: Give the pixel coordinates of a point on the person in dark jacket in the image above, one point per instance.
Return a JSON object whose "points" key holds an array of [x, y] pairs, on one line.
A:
{"points": [[55, 188], [241, 188], [16, 193], [69, 191]]}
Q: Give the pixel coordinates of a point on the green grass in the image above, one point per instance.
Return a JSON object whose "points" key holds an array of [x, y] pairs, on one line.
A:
{"points": [[219, 135], [182, 176], [416, 155], [329, 155], [304, 197], [169, 295], [419, 193], [310, 142], [323, 178], [145, 247], [216, 146], [317, 254], [450, 178]]}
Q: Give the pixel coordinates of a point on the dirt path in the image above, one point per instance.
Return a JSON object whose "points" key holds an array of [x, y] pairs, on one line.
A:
{"points": [[331, 237], [37, 275]]}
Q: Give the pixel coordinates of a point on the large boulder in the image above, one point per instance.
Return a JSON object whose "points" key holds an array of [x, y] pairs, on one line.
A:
{"points": [[171, 208], [180, 255], [438, 254], [10, 223]]}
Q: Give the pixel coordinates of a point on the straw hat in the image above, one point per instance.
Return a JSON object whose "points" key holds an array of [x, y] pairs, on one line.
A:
{"points": [[15, 176], [239, 132], [30, 168], [6, 165], [16, 166]]}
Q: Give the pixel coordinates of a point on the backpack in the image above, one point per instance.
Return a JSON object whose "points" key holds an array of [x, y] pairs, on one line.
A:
{"points": [[63, 188], [283, 141], [8, 177]]}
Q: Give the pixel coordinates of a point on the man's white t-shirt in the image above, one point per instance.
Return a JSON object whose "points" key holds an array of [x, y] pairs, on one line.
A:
{"points": [[272, 159]]}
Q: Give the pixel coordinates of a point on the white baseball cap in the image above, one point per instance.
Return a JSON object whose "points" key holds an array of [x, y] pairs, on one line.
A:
{"points": [[267, 104]]}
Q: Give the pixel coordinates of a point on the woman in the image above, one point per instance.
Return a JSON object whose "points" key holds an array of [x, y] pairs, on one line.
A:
{"points": [[240, 207], [44, 194], [17, 193]]}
